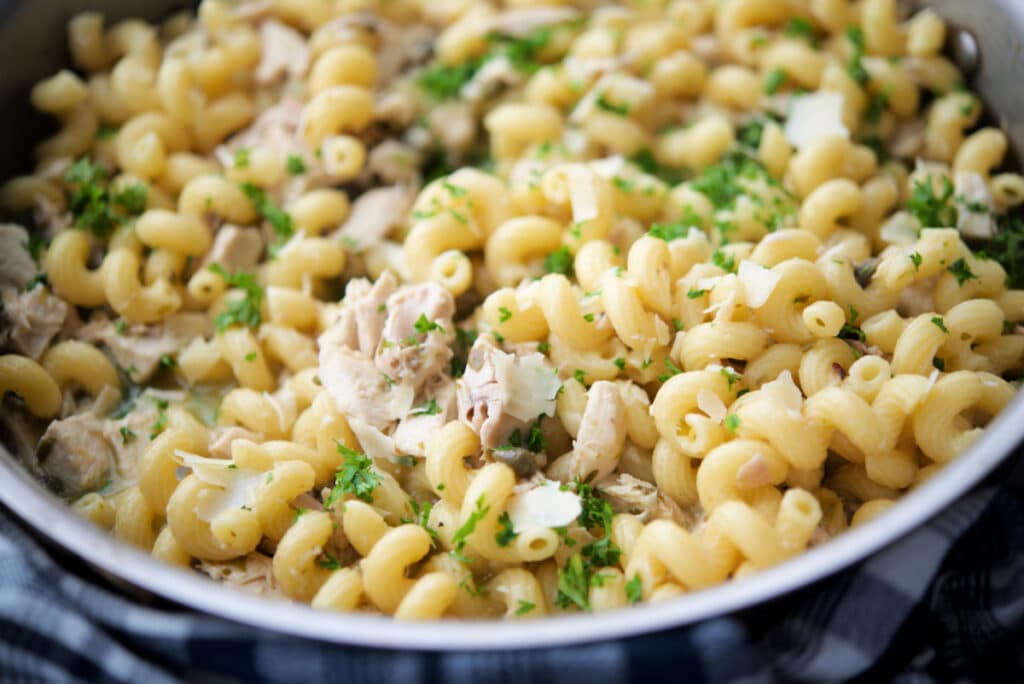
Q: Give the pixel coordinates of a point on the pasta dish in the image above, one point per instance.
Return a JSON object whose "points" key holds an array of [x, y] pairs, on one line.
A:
{"points": [[505, 309]]}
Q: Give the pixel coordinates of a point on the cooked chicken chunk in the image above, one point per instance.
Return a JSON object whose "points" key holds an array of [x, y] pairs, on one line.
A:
{"points": [[140, 348], [32, 319], [628, 494], [16, 264], [283, 50], [417, 334], [602, 433], [253, 574], [500, 392], [76, 453], [235, 249], [375, 214], [429, 416]]}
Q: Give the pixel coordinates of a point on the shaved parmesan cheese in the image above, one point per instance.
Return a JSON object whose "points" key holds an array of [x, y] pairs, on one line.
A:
{"points": [[758, 283], [609, 167], [582, 194], [708, 283], [530, 385], [783, 392], [815, 116], [543, 506], [236, 487], [373, 442], [931, 381], [711, 404], [900, 229], [973, 195]]}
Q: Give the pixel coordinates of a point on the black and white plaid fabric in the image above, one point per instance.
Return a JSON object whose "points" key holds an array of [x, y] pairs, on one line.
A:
{"points": [[945, 604]]}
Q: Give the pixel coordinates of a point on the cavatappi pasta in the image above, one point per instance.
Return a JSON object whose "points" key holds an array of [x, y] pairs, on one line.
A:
{"points": [[506, 309]]}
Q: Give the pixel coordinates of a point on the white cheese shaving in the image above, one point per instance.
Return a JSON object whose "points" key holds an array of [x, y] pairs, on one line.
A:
{"points": [[783, 392], [972, 193], [543, 506], [373, 442], [815, 116], [711, 404], [758, 283], [708, 283], [582, 194], [899, 229], [236, 487], [529, 385], [609, 167]]}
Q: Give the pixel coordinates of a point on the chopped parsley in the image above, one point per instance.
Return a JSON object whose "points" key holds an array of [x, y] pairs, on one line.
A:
{"points": [[581, 376], [695, 294], [126, 434], [242, 158], [679, 229], [939, 323], [93, 206], [799, 27], [443, 81], [467, 528], [931, 209], [634, 589], [855, 67], [250, 357], [421, 517], [559, 261], [35, 246], [588, 317], [574, 583], [543, 347], [916, 259], [730, 375], [1007, 247], [851, 332], [356, 476], [620, 363], [464, 339], [424, 326], [524, 607], [649, 165], [167, 361], [506, 533], [429, 409], [774, 80], [726, 262], [503, 314], [37, 280], [328, 562], [243, 312], [731, 423], [161, 418], [296, 165], [962, 271], [876, 107], [278, 219], [624, 185], [611, 107], [671, 368]]}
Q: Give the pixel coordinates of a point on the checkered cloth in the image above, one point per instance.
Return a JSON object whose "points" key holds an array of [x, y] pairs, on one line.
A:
{"points": [[944, 604]]}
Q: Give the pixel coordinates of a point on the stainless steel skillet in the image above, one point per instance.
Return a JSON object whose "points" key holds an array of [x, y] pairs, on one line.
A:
{"points": [[32, 46]]}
